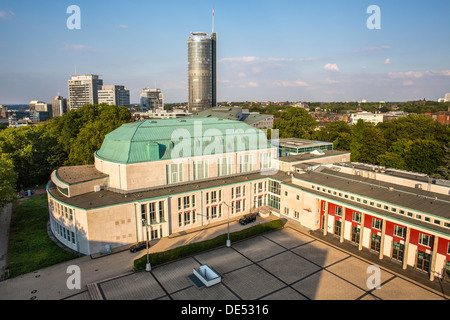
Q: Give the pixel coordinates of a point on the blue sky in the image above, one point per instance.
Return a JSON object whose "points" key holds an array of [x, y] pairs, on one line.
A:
{"points": [[268, 50]]}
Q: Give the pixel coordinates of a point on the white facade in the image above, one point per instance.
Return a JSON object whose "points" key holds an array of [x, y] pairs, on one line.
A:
{"points": [[367, 117], [114, 95], [83, 89]]}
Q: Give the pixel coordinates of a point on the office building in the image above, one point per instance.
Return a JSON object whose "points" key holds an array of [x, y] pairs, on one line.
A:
{"points": [[114, 95], [151, 100], [447, 97], [59, 106], [39, 111], [202, 71], [83, 89]]}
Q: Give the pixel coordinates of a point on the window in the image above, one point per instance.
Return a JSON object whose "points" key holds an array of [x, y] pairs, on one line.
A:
{"points": [[186, 202], [425, 239], [161, 211], [338, 211], [224, 166], [187, 217], [356, 216], [296, 215], [274, 187], [201, 169], [265, 160], [193, 200], [246, 162], [399, 231], [238, 192], [356, 234], [423, 261], [398, 251], [214, 212], [175, 173], [375, 242], [213, 196], [151, 210], [377, 223], [337, 227]]}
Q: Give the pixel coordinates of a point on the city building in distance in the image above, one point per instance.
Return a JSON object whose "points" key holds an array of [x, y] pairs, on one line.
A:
{"points": [[59, 106], [114, 95], [83, 89], [202, 70], [151, 99], [156, 176]]}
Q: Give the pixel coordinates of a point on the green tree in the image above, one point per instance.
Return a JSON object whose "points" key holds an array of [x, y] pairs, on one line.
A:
{"points": [[295, 123], [424, 156], [8, 179], [373, 144]]}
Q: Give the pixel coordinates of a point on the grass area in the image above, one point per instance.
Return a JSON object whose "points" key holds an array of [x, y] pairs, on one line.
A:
{"points": [[30, 248], [193, 248]]}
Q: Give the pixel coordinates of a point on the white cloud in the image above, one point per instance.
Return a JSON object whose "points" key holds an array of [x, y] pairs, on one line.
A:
{"points": [[6, 14], [408, 83], [75, 47], [123, 26], [374, 48], [418, 74], [249, 59], [331, 67], [295, 83], [330, 81], [387, 61]]}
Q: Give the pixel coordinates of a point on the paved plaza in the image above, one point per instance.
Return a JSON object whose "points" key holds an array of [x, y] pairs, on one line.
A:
{"points": [[280, 265]]}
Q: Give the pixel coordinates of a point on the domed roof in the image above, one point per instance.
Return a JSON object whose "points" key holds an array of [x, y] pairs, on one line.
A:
{"points": [[162, 139]]}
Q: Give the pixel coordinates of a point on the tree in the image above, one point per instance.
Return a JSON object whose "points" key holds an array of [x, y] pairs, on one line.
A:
{"points": [[295, 123], [424, 156], [8, 179], [373, 144]]}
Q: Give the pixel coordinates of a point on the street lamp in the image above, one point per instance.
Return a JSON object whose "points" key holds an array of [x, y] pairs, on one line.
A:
{"points": [[228, 210], [148, 267]]}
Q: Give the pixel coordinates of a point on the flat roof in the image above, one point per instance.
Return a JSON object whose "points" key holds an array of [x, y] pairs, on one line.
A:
{"points": [[309, 156], [93, 200], [77, 174], [406, 197], [301, 143]]}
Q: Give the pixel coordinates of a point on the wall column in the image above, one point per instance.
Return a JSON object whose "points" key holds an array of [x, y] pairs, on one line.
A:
{"points": [[433, 258], [325, 223], [361, 231], [343, 224], [405, 254], [383, 234]]}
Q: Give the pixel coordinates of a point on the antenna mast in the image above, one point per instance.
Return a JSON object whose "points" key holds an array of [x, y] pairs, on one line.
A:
{"points": [[213, 21]]}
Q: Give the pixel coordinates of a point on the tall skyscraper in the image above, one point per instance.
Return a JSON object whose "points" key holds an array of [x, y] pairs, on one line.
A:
{"points": [[59, 106], [83, 89], [114, 95], [202, 70], [151, 99]]}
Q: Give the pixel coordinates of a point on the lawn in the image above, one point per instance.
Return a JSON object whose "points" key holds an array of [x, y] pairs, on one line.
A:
{"points": [[30, 248]]}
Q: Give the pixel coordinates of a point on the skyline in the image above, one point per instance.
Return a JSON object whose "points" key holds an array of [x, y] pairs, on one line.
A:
{"points": [[267, 50]]}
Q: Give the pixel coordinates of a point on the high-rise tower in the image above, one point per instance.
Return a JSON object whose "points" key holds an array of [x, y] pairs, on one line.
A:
{"points": [[202, 70]]}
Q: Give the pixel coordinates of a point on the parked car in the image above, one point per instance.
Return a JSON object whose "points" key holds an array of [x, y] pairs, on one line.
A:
{"points": [[247, 218], [139, 246]]}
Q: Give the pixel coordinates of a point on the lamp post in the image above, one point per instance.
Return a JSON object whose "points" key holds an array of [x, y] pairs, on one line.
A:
{"points": [[228, 210], [148, 267]]}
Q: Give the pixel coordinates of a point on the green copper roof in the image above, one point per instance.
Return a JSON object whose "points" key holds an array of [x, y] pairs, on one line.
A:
{"points": [[162, 139]]}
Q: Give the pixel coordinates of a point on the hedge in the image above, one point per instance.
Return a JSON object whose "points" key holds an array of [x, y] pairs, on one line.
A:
{"points": [[197, 247]]}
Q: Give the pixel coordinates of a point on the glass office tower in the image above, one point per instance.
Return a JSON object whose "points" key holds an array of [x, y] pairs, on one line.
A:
{"points": [[202, 71]]}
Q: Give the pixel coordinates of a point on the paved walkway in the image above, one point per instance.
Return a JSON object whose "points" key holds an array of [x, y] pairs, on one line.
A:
{"points": [[290, 263], [5, 220], [285, 264]]}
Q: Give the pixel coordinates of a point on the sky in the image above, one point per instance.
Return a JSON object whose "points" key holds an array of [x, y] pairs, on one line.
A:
{"points": [[268, 50]]}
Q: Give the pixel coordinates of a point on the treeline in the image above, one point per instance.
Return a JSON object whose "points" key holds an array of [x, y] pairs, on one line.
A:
{"points": [[29, 154], [415, 143]]}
